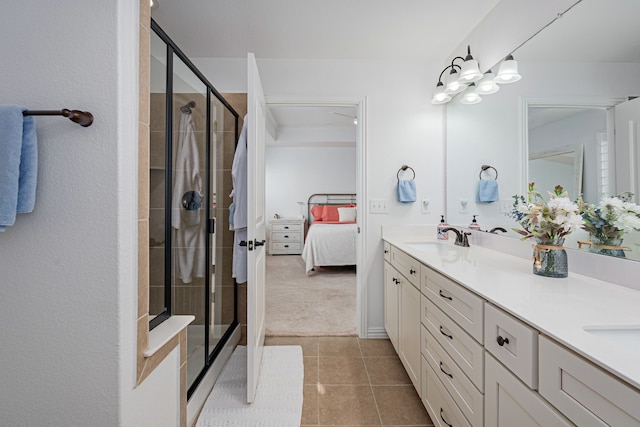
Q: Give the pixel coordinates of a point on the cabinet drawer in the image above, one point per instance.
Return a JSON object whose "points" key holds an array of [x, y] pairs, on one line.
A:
{"points": [[387, 251], [286, 227], [463, 349], [513, 343], [464, 393], [440, 405], [285, 236], [408, 266], [586, 394], [461, 305], [510, 403], [280, 246]]}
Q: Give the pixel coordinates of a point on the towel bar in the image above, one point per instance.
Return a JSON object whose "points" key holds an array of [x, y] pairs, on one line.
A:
{"points": [[484, 168], [83, 118], [404, 168]]}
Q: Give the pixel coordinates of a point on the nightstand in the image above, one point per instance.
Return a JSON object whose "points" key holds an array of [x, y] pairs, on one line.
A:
{"points": [[286, 236]]}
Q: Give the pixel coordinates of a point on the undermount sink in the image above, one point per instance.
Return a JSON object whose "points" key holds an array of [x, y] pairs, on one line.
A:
{"points": [[620, 336]]}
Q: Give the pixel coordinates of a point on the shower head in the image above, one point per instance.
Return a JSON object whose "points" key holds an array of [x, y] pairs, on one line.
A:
{"points": [[188, 106]]}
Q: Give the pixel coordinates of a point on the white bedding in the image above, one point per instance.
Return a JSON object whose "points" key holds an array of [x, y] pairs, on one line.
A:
{"points": [[330, 244]]}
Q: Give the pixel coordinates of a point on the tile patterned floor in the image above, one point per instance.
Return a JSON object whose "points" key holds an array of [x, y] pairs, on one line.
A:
{"points": [[350, 381]]}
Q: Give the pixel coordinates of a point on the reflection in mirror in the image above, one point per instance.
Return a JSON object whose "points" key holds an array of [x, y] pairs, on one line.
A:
{"points": [[577, 77], [558, 166]]}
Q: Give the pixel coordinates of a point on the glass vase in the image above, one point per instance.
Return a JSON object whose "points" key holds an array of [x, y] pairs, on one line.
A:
{"points": [[606, 246], [550, 259]]}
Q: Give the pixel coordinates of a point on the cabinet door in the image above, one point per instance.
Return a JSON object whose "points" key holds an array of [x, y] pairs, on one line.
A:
{"points": [[391, 276], [409, 330], [508, 402]]}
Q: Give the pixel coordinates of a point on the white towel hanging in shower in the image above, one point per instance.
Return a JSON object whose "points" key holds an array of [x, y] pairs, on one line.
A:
{"points": [[239, 194], [189, 234]]}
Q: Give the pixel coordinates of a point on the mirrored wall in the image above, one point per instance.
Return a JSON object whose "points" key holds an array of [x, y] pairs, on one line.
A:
{"points": [[193, 131], [571, 121]]}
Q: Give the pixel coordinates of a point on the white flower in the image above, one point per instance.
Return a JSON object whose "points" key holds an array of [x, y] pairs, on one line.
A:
{"points": [[611, 201], [563, 204], [627, 222]]}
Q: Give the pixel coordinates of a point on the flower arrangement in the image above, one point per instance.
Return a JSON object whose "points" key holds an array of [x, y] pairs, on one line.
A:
{"points": [[611, 218], [547, 221]]}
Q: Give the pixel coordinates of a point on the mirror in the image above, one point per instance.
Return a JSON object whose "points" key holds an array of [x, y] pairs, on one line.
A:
{"points": [[556, 125]]}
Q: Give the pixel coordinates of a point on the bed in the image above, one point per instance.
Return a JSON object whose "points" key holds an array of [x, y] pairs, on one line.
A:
{"points": [[331, 239]]}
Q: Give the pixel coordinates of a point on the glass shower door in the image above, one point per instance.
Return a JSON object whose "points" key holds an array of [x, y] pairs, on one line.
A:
{"points": [[188, 210]]}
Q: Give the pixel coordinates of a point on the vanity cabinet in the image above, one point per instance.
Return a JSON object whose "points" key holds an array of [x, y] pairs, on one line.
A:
{"points": [[509, 402], [586, 394], [480, 364], [402, 311]]}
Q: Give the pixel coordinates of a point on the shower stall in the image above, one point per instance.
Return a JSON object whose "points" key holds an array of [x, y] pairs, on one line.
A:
{"points": [[193, 134]]}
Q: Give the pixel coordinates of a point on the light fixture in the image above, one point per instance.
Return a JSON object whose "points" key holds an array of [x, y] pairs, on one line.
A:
{"points": [[469, 72], [453, 82], [470, 96], [439, 97], [487, 85], [153, 4], [508, 71]]}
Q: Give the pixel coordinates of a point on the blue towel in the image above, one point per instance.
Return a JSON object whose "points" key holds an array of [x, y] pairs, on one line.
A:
{"points": [[487, 191], [18, 164], [406, 190]]}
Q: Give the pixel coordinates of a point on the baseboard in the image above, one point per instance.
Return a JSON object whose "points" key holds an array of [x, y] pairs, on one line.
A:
{"points": [[199, 396], [376, 333]]}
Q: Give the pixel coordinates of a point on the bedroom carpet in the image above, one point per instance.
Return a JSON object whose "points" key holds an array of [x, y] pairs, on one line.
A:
{"points": [[278, 401], [322, 303]]}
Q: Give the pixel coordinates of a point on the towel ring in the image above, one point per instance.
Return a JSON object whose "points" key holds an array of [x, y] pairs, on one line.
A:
{"points": [[484, 168], [404, 168]]}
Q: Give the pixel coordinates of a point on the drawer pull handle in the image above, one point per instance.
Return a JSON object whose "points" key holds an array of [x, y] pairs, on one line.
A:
{"points": [[445, 372], [286, 246], [502, 341], [286, 227], [445, 421], [412, 271], [386, 251], [286, 236], [445, 334], [444, 296], [396, 281]]}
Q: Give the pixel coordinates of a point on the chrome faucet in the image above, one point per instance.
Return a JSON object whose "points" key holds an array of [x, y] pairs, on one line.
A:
{"points": [[494, 229], [461, 237]]}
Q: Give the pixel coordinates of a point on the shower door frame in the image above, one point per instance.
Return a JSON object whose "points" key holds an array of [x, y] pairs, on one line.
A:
{"points": [[173, 49]]}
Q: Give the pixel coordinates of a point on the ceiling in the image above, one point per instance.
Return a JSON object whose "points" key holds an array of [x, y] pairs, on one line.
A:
{"points": [[591, 31], [320, 29]]}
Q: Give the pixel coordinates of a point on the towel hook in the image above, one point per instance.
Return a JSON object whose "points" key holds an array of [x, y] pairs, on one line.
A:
{"points": [[404, 168], [484, 168]]}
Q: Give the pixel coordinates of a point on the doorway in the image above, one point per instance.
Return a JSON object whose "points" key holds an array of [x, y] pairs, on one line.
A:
{"points": [[311, 141]]}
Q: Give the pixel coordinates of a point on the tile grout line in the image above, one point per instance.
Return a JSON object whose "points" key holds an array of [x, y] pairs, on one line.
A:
{"points": [[375, 401]]}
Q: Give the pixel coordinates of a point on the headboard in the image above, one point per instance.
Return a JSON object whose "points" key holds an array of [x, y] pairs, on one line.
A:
{"points": [[322, 199]]}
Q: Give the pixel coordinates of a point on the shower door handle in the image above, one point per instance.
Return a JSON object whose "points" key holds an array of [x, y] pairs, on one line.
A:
{"points": [[212, 226]]}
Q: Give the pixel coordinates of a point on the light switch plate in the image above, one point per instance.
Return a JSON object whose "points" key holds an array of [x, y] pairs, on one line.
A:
{"points": [[379, 206], [505, 205]]}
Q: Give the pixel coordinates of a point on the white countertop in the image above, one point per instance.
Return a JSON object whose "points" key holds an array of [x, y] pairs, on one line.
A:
{"points": [[559, 308]]}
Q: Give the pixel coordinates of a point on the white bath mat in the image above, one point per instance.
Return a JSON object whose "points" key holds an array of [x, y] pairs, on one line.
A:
{"points": [[278, 400]]}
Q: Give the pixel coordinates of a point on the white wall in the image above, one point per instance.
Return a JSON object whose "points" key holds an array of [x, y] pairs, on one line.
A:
{"points": [[402, 127], [68, 291], [295, 173]]}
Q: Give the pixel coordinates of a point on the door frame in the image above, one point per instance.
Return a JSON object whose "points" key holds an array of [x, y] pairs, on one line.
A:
{"points": [[361, 174]]}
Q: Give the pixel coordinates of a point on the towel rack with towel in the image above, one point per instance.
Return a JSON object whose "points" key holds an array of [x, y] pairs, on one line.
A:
{"points": [[404, 168], [484, 168], [83, 118]]}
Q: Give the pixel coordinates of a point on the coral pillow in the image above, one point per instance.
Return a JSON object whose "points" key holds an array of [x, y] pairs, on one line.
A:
{"points": [[316, 211]]}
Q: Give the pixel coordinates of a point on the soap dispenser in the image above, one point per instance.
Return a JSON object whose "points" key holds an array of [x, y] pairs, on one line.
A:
{"points": [[474, 224], [442, 235]]}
